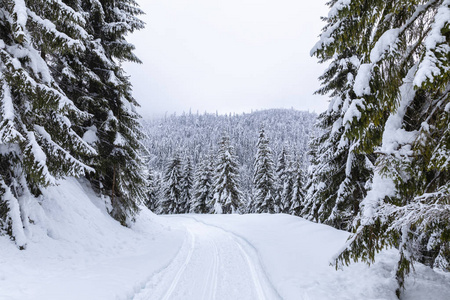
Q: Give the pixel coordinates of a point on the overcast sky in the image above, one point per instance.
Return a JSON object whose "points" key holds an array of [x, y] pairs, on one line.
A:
{"points": [[227, 56]]}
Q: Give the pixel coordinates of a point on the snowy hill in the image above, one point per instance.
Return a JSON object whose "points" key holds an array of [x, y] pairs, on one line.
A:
{"points": [[197, 134], [75, 250]]}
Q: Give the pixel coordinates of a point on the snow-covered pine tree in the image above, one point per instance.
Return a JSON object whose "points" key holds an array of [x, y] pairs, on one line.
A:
{"points": [[186, 185], [104, 91], [264, 192], [248, 206], [298, 193], [281, 176], [402, 97], [171, 202], [341, 171], [203, 189], [153, 190], [285, 181], [227, 197], [37, 141], [312, 182]]}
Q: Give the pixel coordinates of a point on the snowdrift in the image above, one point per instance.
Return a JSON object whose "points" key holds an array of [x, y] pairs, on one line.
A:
{"points": [[75, 250]]}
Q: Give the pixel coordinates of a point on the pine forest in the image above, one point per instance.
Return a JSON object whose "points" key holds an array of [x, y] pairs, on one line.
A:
{"points": [[364, 182]]}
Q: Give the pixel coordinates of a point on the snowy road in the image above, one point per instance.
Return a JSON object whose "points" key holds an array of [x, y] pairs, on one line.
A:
{"points": [[211, 264]]}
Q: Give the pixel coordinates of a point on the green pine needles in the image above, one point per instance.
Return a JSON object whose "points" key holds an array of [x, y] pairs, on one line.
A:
{"points": [[66, 107], [382, 163]]}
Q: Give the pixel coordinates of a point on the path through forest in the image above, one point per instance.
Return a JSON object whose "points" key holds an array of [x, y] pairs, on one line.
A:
{"points": [[212, 264]]}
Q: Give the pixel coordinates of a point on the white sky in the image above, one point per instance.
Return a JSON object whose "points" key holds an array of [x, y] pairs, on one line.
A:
{"points": [[227, 56]]}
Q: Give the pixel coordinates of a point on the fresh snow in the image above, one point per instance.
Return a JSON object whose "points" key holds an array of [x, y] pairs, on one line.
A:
{"points": [[90, 136], [428, 68], [338, 6], [76, 251], [21, 11], [394, 136], [362, 80]]}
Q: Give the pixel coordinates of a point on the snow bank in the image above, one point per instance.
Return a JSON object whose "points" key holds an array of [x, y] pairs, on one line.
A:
{"points": [[75, 250]]}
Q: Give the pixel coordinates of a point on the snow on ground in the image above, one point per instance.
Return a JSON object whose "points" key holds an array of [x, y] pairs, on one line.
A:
{"points": [[76, 251], [295, 254]]}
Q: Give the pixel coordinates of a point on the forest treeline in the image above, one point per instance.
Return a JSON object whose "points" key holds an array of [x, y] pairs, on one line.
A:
{"points": [[245, 160], [196, 136]]}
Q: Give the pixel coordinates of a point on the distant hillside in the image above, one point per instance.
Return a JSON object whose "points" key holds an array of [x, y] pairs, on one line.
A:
{"points": [[196, 135]]}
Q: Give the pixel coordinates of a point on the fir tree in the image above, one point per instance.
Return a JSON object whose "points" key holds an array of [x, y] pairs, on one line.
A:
{"points": [[401, 97], [281, 175], [227, 197], [38, 143], [285, 181], [341, 171], [186, 185], [203, 190], [153, 188], [171, 202], [103, 90], [297, 194], [263, 177]]}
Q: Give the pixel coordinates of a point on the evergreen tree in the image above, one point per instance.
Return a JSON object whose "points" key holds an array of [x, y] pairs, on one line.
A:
{"points": [[400, 117], [38, 143], [171, 202], [153, 187], [249, 203], [227, 197], [341, 171], [263, 177], [203, 190], [297, 194], [281, 175], [103, 90], [186, 185], [313, 183], [285, 181]]}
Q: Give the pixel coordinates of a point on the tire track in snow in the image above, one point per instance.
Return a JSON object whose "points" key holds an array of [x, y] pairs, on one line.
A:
{"points": [[182, 268], [210, 287], [210, 254], [158, 276], [255, 276], [244, 243]]}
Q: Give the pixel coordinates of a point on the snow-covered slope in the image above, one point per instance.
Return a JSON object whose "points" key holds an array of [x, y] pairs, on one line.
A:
{"points": [[76, 251]]}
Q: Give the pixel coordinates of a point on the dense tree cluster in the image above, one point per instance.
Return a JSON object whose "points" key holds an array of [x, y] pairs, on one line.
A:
{"points": [[381, 165], [216, 187], [224, 179], [66, 107], [198, 136]]}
